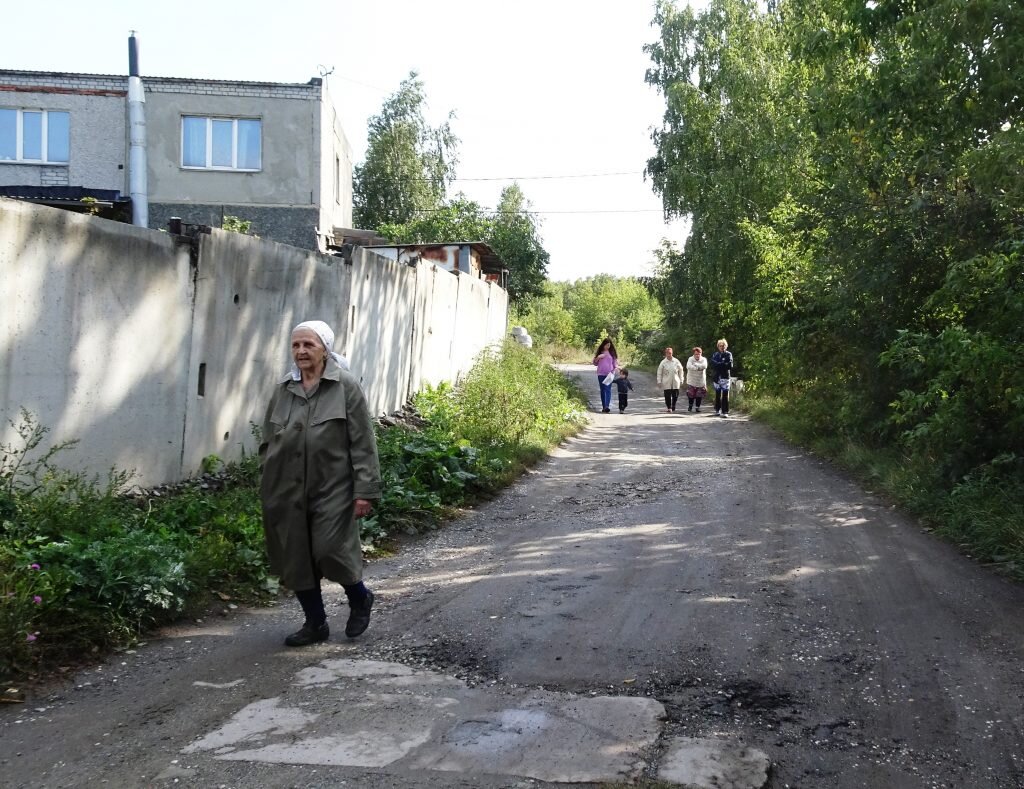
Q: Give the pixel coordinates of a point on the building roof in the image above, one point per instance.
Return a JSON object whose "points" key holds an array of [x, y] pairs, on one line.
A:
{"points": [[60, 74]]}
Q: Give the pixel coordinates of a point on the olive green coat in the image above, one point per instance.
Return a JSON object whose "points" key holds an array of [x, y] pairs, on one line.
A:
{"points": [[318, 454]]}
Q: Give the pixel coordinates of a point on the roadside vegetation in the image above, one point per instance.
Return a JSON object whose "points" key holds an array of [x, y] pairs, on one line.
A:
{"points": [[568, 319], [853, 175], [86, 565]]}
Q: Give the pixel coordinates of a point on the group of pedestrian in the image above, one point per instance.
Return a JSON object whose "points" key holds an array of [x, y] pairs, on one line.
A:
{"points": [[673, 376], [691, 377]]}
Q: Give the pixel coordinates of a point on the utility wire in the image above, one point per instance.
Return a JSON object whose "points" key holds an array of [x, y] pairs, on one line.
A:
{"points": [[413, 178], [549, 177], [532, 211]]}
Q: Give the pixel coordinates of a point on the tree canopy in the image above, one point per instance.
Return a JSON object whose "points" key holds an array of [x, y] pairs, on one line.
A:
{"points": [[853, 174], [511, 231], [401, 191], [409, 164], [579, 314]]}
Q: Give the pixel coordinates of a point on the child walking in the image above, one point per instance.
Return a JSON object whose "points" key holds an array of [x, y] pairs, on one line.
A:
{"points": [[625, 387]]}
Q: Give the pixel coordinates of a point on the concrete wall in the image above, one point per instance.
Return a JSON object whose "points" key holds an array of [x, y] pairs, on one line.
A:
{"points": [[107, 330], [94, 336], [248, 295]]}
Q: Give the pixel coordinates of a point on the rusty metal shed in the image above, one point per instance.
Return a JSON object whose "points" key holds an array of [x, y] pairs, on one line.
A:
{"points": [[473, 258]]}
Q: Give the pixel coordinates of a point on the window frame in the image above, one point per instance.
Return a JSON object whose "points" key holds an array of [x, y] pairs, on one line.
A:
{"points": [[210, 166], [44, 137]]}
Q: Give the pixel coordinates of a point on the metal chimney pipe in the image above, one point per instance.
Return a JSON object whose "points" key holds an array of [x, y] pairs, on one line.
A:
{"points": [[137, 187]]}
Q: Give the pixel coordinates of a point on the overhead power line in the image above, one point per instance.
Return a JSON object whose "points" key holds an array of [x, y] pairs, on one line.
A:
{"points": [[550, 177], [532, 211], [409, 178]]}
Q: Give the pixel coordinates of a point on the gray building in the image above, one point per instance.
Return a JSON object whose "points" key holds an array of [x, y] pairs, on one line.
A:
{"points": [[270, 153]]}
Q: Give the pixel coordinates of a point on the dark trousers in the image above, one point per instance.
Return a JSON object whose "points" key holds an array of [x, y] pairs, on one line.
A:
{"points": [[722, 400], [671, 395], [623, 400], [698, 399]]}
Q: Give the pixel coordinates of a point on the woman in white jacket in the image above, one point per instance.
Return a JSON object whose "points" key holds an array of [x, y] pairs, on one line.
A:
{"points": [[696, 378], [670, 377]]}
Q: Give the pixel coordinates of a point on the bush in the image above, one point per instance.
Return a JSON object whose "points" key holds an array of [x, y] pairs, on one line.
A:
{"points": [[84, 565], [511, 401]]}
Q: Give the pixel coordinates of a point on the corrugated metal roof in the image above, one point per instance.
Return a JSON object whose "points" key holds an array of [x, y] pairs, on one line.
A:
{"points": [[61, 194], [59, 74]]}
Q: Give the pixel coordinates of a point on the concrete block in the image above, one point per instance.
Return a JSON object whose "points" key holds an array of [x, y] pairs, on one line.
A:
{"points": [[713, 764]]}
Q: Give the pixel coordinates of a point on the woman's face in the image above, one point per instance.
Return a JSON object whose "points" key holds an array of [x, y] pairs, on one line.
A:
{"points": [[668, 353], [721, 345], [308, 351], [696, 353], [606, 345]]}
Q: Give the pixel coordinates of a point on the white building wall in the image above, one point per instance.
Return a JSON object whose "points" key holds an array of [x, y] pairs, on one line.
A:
{"points": [[98, 154], [336, 154]]}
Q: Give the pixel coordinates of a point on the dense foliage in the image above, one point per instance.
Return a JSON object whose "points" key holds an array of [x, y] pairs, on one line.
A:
{"points": [[409, 164], [570, 318], [853, 173], [401, 191], [84, 566], [511, 231]]}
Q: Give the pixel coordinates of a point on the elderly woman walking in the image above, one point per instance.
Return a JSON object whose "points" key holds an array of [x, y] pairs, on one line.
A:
{"points": [[721, 375], [696, 378], [670, 376], [320, 476]]}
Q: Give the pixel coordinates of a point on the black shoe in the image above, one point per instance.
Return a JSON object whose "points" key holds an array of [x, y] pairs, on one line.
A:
{"points": [[308, 634], [606, 410], [359, 616]]}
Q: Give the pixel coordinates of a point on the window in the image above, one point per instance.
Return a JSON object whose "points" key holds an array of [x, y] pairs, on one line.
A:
{"points": [[337, 179], [221, 143], [42, 136]]}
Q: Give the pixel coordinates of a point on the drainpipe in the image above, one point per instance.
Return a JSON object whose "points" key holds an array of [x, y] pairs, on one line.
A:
{"points": [[137, 138]]}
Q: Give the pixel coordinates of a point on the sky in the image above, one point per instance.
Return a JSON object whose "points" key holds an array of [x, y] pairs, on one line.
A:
{"points": [[538, 88]]}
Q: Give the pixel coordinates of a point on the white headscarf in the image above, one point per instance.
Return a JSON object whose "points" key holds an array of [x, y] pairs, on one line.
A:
{"points": [[326, 335]]}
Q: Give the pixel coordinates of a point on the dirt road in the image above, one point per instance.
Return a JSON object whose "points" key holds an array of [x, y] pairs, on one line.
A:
{"points": [[664, 584]]}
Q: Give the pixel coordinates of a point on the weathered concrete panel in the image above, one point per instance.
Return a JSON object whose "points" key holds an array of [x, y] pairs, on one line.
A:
{"points": [[107, 331], [249, 295], [400, 718], [380, 328], [94, 337], [440, 324]]}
